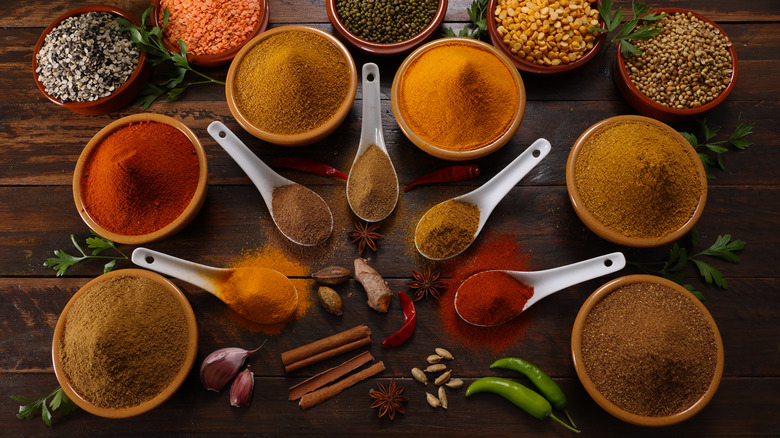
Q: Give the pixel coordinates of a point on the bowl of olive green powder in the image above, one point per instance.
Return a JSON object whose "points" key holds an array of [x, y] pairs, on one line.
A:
{"points": [[124, 343]]}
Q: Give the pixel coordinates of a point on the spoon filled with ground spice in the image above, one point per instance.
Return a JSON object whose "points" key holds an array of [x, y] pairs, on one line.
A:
{"points": [[448, 228], [300, 214], [495, 297], [372, 187], [261, 295]]}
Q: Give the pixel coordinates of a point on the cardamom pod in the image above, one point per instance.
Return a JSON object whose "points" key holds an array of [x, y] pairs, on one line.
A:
{"points": [[436, 368], [330, 300], [419, 375], [434, 358], [444, 353], [432, 400], [332, 275], [443, 378], [443, 397], [454, 383]]}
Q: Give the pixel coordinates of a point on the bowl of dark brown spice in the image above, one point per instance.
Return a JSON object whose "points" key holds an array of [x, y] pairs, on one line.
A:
{"points": [[684, 71], [124, 343], [647, 350]]}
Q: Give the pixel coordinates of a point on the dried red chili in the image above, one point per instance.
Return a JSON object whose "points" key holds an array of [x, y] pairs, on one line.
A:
{"points": [[306, 165], [458, 172], [410, 322]]}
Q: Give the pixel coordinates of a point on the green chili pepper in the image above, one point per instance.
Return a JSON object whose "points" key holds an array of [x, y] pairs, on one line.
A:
{"points": [[546, 385], [523, 397]]}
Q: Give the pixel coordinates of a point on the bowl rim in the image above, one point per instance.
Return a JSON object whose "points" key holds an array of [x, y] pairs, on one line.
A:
{"points": [[602, 230], [304, 138], [590, 388], [89, 106], [189, 213], [386, 48], [178, 380], [530, 67], [674, 114], [443, 153], [215, 59]]}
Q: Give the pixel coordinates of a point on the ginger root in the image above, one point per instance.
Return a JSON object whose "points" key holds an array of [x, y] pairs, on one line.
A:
{"points": [[379, 295]]}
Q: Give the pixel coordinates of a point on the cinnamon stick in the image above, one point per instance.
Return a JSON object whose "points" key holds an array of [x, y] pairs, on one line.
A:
{"points": [[330, 375], [317, 347], [327, 354], [314, 398]]}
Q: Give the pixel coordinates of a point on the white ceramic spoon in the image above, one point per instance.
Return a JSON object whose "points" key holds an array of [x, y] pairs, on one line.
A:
{"points": [[492, 192], [209, 279], [371, 128], [264, 178], [549, 281]]}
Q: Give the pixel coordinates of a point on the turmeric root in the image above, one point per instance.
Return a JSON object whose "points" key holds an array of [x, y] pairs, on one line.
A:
{"points": [[378, 293]]}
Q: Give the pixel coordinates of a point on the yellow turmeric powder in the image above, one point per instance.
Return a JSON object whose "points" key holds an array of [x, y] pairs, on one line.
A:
{"points": [[261, 295]]}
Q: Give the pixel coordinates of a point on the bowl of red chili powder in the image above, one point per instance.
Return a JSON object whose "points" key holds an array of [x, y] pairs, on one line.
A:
{"points": [[140, 179]]}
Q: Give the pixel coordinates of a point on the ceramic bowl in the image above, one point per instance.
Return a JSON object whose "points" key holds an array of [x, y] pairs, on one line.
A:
{"points": [[649, 107], [386, 48], [607, 233], [181, 375], [531, 67], [217, 58], [123, 95], [576, 350], [172, 228], [297, 139], [443, 153]]}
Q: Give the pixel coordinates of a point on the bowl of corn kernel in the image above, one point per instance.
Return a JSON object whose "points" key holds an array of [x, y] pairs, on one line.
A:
{"points": [[546, 37]]}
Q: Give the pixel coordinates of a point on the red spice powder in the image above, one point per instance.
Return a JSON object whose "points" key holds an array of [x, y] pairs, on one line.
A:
{"points": [[492, 297]]}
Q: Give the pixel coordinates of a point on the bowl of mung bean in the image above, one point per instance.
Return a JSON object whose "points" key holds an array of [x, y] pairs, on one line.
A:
{"points": [[386, 27], [545, 37], [689, 68], [647, 350], [69, 74]]}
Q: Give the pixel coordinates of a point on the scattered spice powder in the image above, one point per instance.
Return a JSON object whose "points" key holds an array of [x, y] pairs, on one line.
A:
{"points": [[260, 294], [492, 298], [447, 228], [649, 349], [301, 214], [372, 186]]}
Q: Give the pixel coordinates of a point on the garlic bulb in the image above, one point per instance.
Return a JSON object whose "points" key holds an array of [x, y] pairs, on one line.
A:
{"points": [[222, 365]]}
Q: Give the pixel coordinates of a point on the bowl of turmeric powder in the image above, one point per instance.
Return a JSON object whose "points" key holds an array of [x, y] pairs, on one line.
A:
{"points": [[635, 181]]}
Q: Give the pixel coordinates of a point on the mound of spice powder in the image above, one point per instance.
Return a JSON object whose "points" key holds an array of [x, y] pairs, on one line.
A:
{"points": [[447, 229], [491, 298], [649, 349], [372, 187], [301, 214]]}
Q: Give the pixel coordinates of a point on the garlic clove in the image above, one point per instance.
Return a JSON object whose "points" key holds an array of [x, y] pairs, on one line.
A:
{"points": [[222, 365], [241, 390]]}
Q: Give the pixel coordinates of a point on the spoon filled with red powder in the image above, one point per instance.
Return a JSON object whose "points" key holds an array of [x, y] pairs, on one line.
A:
{"points": [[491, 298]]}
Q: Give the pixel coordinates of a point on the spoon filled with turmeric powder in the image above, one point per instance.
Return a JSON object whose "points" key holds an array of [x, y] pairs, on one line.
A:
{"points": [[261, 295], [448, 228]]}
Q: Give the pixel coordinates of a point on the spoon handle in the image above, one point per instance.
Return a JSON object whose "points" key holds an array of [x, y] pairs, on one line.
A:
{"points": [[205, 277], [553, 280], [371, 129]]}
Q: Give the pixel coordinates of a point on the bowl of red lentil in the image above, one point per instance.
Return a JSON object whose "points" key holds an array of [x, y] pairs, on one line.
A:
{"points": [[647, 350], [695, 58], [83, 85], [140, 179], [545, 37], [376, 29], [213, 31], [635, 181], [154, 341]]}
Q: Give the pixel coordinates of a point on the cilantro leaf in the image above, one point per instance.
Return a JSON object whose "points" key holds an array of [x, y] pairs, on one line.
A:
{"points": [[62, 260], [59, 403]]}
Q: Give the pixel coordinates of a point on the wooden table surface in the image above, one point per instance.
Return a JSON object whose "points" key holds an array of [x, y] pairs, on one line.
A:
{"points": [[40, 143]]}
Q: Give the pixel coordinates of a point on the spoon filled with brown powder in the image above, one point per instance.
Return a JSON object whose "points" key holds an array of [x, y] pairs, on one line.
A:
{"points": [[300, 214]]}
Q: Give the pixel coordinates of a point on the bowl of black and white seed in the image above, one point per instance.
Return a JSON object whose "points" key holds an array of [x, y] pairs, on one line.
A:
{"points": [[84, 62], [687, 69]]}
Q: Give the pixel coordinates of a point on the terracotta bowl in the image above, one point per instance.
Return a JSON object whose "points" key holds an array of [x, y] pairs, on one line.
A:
{"points": [[607, 233], [530, 67], [172, 228], [576, 351], [443, 153], [123, 95], [649, 107], [192, 348], [386, 48], [298, 139], [217, 58]]}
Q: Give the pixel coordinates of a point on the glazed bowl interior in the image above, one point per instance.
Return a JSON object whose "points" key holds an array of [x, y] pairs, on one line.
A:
{"points": [[614, 236], [181, 375], [444, 153], [590, 387], [304, 138], [386, 48], [177, 224]]}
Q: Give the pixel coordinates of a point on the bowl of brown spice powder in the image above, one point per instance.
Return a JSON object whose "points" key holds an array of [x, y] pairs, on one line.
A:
{"points": [[124, 343], [647, 350]]}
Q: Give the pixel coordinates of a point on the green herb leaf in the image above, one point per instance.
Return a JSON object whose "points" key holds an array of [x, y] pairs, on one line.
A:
{"points": [[60, 403], [718, 148], [478, 15], [628, 29], [723, 248], [710, 274], [62, 260], [742, 130]]}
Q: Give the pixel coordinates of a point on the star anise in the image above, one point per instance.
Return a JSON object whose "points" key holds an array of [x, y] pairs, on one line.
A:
{"points": [[365, 234], [388, 399], [426, 284]]}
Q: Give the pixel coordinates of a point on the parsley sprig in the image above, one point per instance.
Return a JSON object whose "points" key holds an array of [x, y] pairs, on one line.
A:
{"points": [[706, 147], [62, 260], [59, 402], [149, 40], [679, 258], [478, 15], [628, 30]]}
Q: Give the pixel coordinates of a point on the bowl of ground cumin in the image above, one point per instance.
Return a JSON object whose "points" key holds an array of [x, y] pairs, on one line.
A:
{"points": [[124, 343], [635, 181], [647, 350], [689, 68]]}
